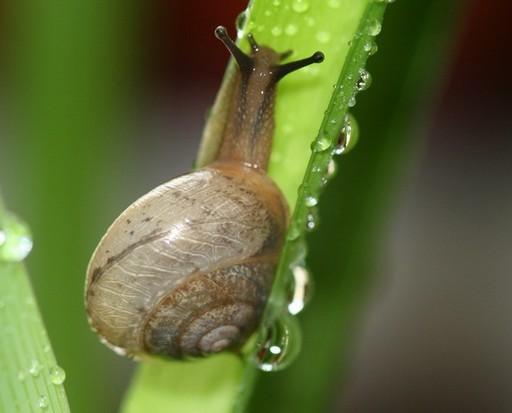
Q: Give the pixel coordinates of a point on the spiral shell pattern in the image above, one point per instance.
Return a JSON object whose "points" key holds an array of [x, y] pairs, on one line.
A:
{"points": [[187, 268]]}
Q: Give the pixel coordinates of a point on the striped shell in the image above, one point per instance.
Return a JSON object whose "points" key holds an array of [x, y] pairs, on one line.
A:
{"points": [[187, 268]]}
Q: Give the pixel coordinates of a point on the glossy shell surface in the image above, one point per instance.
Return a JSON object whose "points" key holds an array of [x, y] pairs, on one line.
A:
{"points": [[187, 268]]}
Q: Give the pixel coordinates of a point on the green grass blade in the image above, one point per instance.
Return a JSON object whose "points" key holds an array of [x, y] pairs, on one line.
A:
{"points": [[207, 385], [31, 380]]}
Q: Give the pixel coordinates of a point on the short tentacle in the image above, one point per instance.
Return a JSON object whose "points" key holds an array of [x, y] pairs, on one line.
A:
{"points": [[252, 41]]}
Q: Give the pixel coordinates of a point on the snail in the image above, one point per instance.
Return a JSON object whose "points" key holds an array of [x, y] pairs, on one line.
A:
{"points": [[187, 268]]}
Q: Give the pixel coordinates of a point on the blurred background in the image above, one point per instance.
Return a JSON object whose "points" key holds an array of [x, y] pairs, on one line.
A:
{"points": [[101, 102]]}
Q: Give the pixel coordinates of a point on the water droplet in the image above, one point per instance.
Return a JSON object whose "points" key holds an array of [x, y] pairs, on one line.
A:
{"points": [[35, 368], [351, 102], [311, 220], [374, 27], [42, 402], [15, 240], [321, 144], [333, 3], [300, 289], [21, 376], [385, 1], [348, 137], [276, 3], [276, 31], [293, 233], [281, 345], [323, 37], [291, 30], [300, 6], [268, 13], [364, 81], [46, 348], [370, 47], [310, 201], [57, 375], [240, 23], [331, 168]]}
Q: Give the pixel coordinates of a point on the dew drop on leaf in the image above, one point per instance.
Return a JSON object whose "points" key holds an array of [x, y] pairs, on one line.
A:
{"points": [[15, 239], [42, 402], [300, 289], [374, 27], [310, 201], [35, 368], [312, 218], [281, 345], [364, 81], [57, 375], [321, 144], [348, 137]]}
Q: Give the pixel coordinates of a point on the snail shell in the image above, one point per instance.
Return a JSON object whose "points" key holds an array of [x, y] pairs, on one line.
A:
{"points": [[187, 268]]}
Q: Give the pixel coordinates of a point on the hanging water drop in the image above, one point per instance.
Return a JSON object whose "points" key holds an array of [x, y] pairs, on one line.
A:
{"points": [[42, 402], [331, 168], [374, 27], [300, 6], [348, 137], [351, 102], [281, 345], [310, 201], [300, 290], [15, 239], [364, 81], [57, 375]]}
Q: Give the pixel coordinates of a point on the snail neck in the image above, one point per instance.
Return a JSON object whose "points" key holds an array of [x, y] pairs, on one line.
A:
{"points": [[249, 128]]}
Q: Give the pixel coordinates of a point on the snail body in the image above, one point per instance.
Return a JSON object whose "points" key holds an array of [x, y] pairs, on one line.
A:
{"points": [[187, 268]]}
